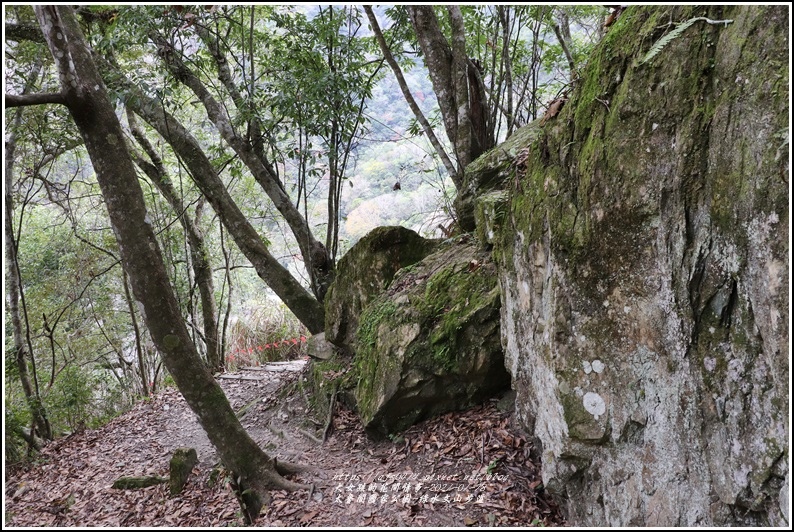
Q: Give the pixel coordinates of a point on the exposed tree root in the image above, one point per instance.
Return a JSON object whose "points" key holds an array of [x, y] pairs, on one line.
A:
{"points": [[288, 468], [253, 494], [329, 421]]}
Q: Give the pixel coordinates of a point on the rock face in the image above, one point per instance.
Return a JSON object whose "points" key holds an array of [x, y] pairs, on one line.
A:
{"points": [[644, 269], [431, 342], [363, 273]]}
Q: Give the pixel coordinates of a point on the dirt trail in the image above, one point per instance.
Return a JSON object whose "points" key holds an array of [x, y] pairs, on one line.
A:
{"points": [[461, 469]]}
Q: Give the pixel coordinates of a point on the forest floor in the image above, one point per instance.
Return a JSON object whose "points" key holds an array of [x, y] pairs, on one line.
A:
{"points": [[461, 469]]}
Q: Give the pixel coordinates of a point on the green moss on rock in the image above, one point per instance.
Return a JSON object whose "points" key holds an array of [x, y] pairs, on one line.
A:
{"points": [[431, 342], [363, 273]]}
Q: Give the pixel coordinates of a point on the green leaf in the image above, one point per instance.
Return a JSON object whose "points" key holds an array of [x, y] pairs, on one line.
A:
{"points": [[681, 28]]}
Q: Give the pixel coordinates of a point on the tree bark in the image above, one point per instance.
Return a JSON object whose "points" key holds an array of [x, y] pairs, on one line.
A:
{"points": [[90, 107], [456, 82]]}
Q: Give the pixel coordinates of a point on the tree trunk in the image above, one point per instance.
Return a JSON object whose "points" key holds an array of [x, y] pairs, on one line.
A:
{"points": [[38, 413], [198, 252], [456, 82], [562, 31], [504, 19], [90, 108], [142, 373]]}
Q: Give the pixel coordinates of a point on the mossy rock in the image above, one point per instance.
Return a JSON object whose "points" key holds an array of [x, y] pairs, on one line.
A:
{"points": [[489, 213], [644, 261], [363, 273], [327, 378], [431, 343], [491, 172], [182, 463]]}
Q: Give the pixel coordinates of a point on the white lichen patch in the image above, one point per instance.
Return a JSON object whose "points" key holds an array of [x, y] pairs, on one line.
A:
{"points": [[587, 367], [598, 366], [140, 308], [735, 370], [594, 404], [710, 363]]}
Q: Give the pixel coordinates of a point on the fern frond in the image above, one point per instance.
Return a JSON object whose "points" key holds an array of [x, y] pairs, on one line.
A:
{"points": [[680, 28]]}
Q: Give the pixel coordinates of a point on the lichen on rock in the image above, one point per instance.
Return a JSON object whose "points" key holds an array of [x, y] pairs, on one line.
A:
{"points": [[363, 273], [650, 235], [431, 342]]}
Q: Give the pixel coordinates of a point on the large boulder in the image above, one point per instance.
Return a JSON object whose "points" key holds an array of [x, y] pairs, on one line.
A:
{"points": [[431, 343], [490, 173], [363, 273], [644, 270]]}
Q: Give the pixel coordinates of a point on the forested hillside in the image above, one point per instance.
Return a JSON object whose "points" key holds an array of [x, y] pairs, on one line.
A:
{"points": [[410, 265], [181, 181]]}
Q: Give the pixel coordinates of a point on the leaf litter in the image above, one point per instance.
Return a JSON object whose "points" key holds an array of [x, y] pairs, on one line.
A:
{"points": [[469, 468]]}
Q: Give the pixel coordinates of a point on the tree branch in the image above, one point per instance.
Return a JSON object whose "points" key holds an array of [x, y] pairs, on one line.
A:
{"points": [[23, 32], [565, 49], [409, 98], [21, 100]]}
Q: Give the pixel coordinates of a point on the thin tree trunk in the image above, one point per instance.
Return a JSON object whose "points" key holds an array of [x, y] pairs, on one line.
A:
{"points": [[504, 17], [84, 91], [565, 45], [41, 423], [199, 254], [228, 276], [409, 98], [142, 373]]}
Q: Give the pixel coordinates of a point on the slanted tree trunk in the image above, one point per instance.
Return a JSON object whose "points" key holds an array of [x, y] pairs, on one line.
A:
{"points": [[86, 97], [303, 304], [199, 255], [143, 374], [456, 82], [409, 98], [562, 30], [315, 254]]}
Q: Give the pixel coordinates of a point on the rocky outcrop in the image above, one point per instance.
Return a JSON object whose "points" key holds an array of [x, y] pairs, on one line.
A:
{"points": [[643, 261], [363, 273], [431, 343], [485, 182]]}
